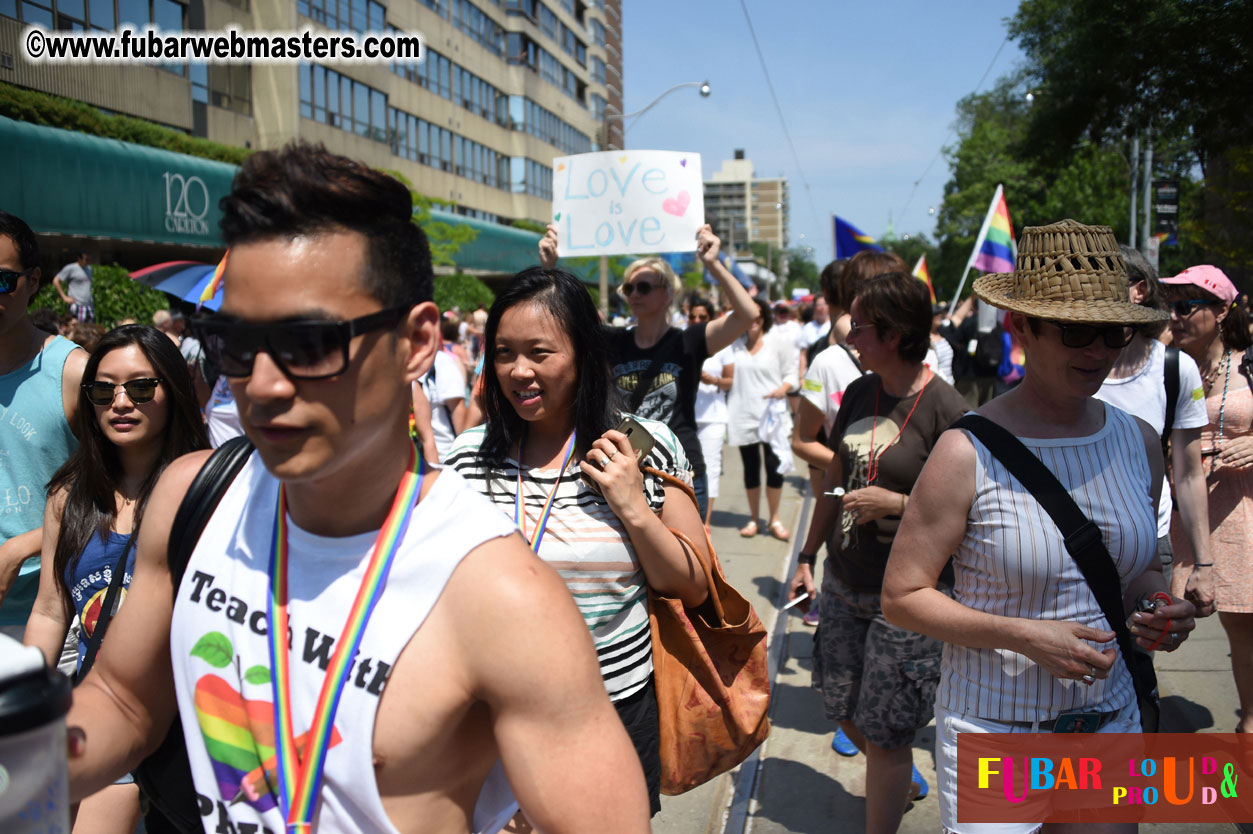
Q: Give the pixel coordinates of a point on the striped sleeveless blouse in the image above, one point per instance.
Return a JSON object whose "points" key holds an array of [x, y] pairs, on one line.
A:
{"points": [[1012, 563], [588, 547]]}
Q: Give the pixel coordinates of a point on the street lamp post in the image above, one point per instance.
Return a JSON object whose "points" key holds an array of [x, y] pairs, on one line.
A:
{"points": [[604, 145]]}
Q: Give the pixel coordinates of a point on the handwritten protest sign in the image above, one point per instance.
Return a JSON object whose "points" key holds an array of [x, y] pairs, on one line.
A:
{"points": [[627, 202]]}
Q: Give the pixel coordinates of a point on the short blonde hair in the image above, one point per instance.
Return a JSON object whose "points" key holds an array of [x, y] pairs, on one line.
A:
{"points": [[160, 319], [669, 280]]}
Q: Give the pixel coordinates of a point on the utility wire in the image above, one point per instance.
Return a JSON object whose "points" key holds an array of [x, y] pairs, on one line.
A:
{"points": [[951, 131], [779, 109]]}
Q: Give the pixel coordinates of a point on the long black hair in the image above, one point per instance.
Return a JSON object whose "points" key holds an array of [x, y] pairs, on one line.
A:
{"points": [[596, 403], [93, 472]]}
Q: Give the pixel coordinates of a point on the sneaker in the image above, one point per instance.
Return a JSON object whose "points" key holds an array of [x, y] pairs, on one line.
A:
{"points": [[842, 744], [918, 788], [811, 616]]}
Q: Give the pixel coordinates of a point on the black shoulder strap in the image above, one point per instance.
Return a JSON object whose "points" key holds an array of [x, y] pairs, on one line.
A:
{"points": [[106, 610], [852, 357], [1171, 372], [654, 368], [201, 500], [1082, 537], [1246, 365]]}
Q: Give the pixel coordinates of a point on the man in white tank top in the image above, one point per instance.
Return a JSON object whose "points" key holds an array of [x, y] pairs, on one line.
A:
{"points": [[474, 653]]}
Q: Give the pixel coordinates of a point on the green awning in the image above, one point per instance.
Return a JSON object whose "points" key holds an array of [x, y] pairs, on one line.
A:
{"points": [[69, 183], [497, 249]]}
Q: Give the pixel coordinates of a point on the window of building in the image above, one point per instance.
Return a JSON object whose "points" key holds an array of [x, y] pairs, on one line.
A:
{"points": [[230, 87], [598, 32], [598, 70], [470, 19], [524, 8]]}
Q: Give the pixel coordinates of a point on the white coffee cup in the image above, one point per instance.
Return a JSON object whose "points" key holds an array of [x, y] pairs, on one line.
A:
{"points": [[34, 784]]}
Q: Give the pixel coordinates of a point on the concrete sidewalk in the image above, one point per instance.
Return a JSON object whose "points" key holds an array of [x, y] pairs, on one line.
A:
{"points": [[801, 784]]}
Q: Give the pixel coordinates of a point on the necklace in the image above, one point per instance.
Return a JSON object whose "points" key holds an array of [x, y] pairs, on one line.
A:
{"points": [[1209, 378], [872, 467], [300, 776], [1222, 410], [519, 506]]}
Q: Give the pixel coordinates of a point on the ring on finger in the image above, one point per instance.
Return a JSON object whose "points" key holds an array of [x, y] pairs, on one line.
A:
{"points": [[1089, 678], [613, 453], [602, 462], [1174, 637]]}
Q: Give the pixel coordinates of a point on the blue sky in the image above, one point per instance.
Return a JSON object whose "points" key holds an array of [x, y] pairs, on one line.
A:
{"points": [[868, 92]]}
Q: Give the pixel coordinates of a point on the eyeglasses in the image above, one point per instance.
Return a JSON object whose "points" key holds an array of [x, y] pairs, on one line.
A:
{"points": [[301, 349], [854, 327], [697, 318], [8, 280], [641, 287], [139, 391], [1082, 335], [1187, 306]]}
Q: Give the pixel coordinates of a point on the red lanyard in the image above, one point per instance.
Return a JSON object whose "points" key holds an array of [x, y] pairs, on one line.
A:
{"points": [[872, 469]]}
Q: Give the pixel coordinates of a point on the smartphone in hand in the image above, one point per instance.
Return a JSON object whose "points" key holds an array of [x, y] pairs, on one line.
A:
{"points": [[638, 436]]}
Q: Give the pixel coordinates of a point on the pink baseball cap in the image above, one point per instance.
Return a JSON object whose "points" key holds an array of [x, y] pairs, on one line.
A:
{"points": [[1209, 278]]}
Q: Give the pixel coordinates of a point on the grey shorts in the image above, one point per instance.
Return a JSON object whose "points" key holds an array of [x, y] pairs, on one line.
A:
{"points": [[880, 677]]}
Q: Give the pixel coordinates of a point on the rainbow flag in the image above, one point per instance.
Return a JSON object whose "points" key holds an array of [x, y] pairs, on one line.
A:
{"points": [[849, 240], [995, 249], [211, 288], [924, 275]]}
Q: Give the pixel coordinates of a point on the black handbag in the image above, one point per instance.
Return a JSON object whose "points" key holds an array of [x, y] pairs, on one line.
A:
{"points": [[164, 778], [1084, 543]]}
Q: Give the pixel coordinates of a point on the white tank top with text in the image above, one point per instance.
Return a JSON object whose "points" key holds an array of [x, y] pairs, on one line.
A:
{"points": [[220, 652]]}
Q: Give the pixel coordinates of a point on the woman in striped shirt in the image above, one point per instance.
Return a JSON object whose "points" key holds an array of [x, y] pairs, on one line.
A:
{"points": [[1026, 640], [550, 456]]}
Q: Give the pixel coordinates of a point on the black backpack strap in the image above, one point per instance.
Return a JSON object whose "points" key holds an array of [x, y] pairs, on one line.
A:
{"points": [[201, 500], [106, 610], [1082, 537], [1171, 374]]}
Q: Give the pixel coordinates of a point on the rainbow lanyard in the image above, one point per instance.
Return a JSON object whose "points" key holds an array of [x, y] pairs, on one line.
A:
{"points": [[300, 780], [519, 506]]}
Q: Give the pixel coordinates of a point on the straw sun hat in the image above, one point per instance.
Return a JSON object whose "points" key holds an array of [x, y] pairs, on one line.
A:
{"points": [[1067, 272]]}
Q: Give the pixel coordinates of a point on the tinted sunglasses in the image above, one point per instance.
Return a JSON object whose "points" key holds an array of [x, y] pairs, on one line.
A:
{"points": [[1082, 335], [8, 279], [1187, 306], [301, 349], [641, 287], [139, 391]]}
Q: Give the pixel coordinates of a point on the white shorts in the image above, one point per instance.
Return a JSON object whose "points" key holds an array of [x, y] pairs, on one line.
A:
{"points": [[948, 725]]}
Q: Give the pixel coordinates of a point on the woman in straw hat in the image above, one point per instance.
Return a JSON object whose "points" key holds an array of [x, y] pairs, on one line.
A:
{"points": [[1210, 323], [1026, 639]]}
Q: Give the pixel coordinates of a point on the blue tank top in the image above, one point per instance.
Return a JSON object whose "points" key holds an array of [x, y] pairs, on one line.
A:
{"points": [[88, 582], [35, 439]]}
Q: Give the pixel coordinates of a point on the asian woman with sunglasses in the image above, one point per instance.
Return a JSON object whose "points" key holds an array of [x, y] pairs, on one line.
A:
{"points": [[673, 356], [137, 412]]}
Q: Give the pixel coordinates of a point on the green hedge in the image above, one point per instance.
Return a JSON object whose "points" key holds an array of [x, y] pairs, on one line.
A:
{"points": [[114, 295], [53, 111], [465, 292]]}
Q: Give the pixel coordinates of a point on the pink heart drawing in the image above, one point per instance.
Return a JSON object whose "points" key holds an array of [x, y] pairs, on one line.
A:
{"points": [[683, 162], [677, 205]]}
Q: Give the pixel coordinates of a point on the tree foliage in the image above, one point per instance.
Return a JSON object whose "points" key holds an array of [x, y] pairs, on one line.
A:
{"points": [[465, 292]]}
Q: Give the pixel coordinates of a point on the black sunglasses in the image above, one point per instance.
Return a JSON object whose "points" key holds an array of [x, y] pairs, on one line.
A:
{"points": [[139, 391], [641, 287], [1187, 306], [301, 349], [1082, 335], [8, 280]]}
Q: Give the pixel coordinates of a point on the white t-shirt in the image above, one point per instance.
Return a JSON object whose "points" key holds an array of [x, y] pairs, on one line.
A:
{"points": [[1144, 395], [443, 385], [811, 332], [757, 374], [825, 381], [944, 360], [711, 403], [221, 415]]}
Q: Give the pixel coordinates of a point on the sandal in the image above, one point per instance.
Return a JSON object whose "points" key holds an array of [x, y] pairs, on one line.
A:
{"points": [[779, 531], [749, 530]]}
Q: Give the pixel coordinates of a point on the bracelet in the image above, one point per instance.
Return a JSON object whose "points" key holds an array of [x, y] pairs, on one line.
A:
{"points": [[1202, 564], [807, 558]]}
